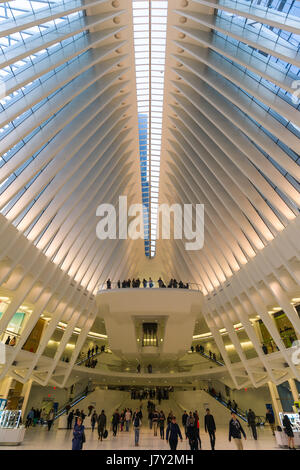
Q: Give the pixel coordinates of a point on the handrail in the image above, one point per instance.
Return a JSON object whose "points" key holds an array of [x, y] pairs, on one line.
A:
{"points": [[72, 403], [210, 358], [88, 358]]}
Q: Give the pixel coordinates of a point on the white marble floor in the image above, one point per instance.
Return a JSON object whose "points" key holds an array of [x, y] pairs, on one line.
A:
{"points": [[39, 438]]}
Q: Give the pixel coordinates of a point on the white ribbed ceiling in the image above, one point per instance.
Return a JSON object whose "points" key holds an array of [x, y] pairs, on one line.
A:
{"points": [[227, 131]]}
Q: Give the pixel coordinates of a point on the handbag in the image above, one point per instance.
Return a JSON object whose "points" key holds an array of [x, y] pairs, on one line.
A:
{"points": [[105, 434]]}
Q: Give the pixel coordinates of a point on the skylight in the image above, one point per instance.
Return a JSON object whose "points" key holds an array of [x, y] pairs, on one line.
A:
{"points": [[150, 30]]}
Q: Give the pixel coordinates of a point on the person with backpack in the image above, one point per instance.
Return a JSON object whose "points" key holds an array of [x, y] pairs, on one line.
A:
{"points": [[210, 427], [136, 426], [173, 432], [101, 425]]}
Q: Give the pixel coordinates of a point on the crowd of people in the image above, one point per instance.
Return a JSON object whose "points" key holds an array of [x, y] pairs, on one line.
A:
{"points": [[88, 358], [163, 425], [166, 427], [136, 283], [159, 393], [40, 416], [212, 356]]}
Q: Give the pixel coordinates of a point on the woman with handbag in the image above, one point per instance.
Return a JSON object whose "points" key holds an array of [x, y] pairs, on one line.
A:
{"points": [[78, 435], [289, 432]]}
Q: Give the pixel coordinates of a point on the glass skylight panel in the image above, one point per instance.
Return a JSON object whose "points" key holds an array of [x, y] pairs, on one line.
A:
{"points": [[149, 29]]}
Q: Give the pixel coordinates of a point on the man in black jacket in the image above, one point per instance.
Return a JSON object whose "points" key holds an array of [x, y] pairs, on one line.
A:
{"points": [[251, 423], [184, 418], [236, 431], [271, 420], [173, 431], [210, 427]]}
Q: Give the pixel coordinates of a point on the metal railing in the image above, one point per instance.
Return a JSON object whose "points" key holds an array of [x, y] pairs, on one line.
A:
{"points": [[207, 356], [259, 420], [114, 285]]}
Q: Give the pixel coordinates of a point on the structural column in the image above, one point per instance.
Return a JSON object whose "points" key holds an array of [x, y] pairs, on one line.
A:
{"points": [[294, 390], [26, 392], [5, 385], [277, 406]]}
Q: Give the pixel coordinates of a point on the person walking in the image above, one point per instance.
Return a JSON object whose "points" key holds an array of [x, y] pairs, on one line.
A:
{"points": [[191, 432], [173, 432], [289, 432], [70, 419], [235, 431], [136, 426], [115, 422], [252, 424], [78, 435], [271, 420], [210, 427], [101, 425], [94, 418], [155, 417], [161, 424], [50, 419], [30, 417], [184, 419], [150, 416], [127, 419]]}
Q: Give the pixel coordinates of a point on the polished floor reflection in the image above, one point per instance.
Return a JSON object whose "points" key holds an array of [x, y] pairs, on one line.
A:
{"points": [[40, 439]]}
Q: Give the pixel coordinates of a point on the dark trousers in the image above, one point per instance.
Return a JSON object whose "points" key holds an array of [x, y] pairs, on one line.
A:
{"points": [[173, 444], [100, 432], [49, 422], [69, 424], [254, 431], [212, 438], [115, 429], [193, 444], [162, 432]]}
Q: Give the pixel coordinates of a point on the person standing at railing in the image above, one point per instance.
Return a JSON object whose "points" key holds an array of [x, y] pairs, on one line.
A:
{"points": [[252, 423], [108, 284]]}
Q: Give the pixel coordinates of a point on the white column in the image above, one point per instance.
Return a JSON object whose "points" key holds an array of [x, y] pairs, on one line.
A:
{"points": [[277, 406], [25, 393], [5, 385], [294, 390], [258, 331]]}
